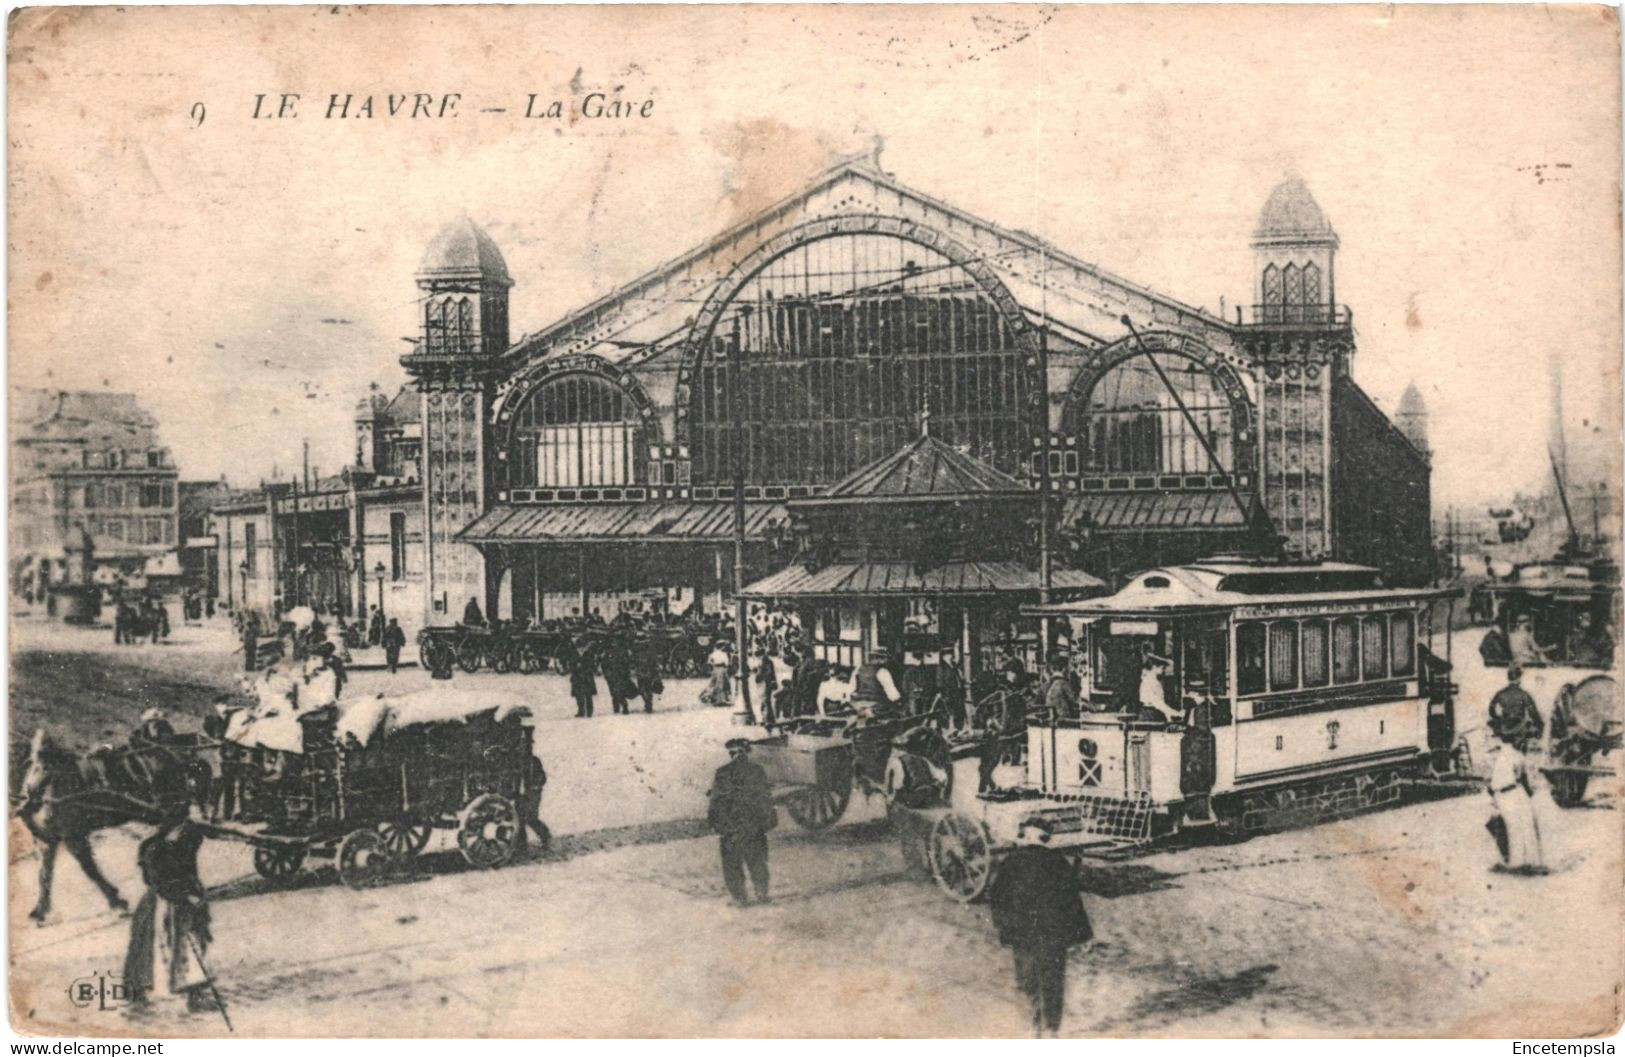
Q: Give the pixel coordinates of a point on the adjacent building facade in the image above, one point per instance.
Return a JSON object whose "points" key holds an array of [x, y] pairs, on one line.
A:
{"points": [[93, 490], [599, 457]]}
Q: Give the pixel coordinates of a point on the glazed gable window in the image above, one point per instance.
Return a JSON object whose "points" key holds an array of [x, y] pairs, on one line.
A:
{"points": [[575, 430]]}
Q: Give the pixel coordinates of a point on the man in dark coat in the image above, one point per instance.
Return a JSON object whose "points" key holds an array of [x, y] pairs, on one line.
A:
{"points": [[472, 617], [618, 676], [649, 659], [742, 813], [583, 685], [1037, 906], [394, 640], [375, 627], [1513, 716]]}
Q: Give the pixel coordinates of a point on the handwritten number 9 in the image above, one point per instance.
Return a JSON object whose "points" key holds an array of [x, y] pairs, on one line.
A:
{"points": [[198, 112]]}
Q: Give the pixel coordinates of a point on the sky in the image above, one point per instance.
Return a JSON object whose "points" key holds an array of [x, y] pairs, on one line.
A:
{"points": [[251, 278]]}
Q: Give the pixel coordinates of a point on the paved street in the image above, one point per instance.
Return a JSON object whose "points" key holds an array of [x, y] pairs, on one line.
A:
{"points": [[1391, 923]]}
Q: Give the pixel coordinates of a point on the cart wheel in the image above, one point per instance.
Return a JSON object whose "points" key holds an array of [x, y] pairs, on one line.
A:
{"points": [[278, 862], [404, 838], [469, 656], [961, 857], [487, 830], [363, 859], [1568, 787], [531, 660], [818, 806]]}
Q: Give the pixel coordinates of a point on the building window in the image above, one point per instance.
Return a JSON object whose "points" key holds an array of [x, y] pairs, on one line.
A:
{"points": [[397, 545], [93, 496], [113, 495], [1284, 655], [1133, 424], [575, 430], [1291, 288], [1272, 294], [1402, 639], [1316, 671], [115, 459], [251, 554], [1250, 658], [152, 494], [1311, 284], [154, 530], [1374, 647], [115, 529], [844, 341], [1345, 650], [155, 459]]}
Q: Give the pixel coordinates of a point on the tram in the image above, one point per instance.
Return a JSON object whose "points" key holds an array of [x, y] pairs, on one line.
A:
{"points": [[1292, 691]]}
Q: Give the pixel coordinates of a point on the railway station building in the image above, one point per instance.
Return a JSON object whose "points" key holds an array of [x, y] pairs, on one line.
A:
{"points": [[597, 458]]}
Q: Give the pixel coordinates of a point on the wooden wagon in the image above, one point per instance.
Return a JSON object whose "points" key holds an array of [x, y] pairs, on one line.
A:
{"points": [[369, 786]]}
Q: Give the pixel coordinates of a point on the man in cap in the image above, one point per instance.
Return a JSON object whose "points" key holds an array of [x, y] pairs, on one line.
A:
{"points": [[394, 640], [1060, 696], [872, 685], [1513, 716], [742, 813], [1037, 906]]}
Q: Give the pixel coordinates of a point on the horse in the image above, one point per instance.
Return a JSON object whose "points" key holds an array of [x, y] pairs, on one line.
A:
{"points": [[66, 799]]}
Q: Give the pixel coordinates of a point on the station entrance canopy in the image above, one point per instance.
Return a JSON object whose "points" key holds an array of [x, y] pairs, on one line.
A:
{"points": [[658, 521]]}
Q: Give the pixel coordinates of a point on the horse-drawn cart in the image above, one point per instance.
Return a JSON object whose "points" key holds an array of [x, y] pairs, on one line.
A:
{"points": [[368, 786]]}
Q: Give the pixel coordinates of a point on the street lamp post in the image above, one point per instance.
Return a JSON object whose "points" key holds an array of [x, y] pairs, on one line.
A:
{"points": [[378, 571]]}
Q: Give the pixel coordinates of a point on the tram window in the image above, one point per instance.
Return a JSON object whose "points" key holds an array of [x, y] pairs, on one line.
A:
{"points": [[1250, 658], [1374, 647], [1402, 638], [1284, 655], [1345, 650], [1315, 669]]}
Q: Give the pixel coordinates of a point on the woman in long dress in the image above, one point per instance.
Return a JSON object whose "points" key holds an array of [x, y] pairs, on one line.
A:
{"points": [[719, 691], [169, 930]]}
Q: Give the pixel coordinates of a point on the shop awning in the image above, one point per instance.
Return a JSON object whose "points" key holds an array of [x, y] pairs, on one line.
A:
{"points": [[868, 579], [1156, 511], [662, 521]]}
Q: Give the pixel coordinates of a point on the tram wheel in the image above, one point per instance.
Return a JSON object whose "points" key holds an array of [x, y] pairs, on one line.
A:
{"points": [[961, 855]]}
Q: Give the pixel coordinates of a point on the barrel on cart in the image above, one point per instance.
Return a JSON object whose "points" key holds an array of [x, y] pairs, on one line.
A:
{"points": [[1585, 733]]}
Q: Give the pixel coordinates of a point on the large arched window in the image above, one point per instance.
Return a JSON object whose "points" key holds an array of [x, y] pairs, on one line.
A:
{"points": [[575, 430], [845, 340], [1133, 424]]}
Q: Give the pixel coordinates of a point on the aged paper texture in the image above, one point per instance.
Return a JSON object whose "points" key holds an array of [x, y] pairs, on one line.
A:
{"points": [[814, 521]]}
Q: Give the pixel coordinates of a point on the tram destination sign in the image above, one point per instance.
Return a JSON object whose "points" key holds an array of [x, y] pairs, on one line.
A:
{"points": [[1310, 609]]}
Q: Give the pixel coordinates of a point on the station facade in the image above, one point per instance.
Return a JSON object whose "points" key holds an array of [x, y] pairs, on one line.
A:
{"points": [[597, 459]]}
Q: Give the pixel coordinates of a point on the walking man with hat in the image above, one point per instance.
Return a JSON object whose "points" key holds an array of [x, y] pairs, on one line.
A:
{"points": [[1037, 906], [742, 813]]}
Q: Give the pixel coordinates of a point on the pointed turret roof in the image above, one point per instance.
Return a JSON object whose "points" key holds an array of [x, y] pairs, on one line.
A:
{"points": [[926, 469], [1291, 214], [462, 248]]}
